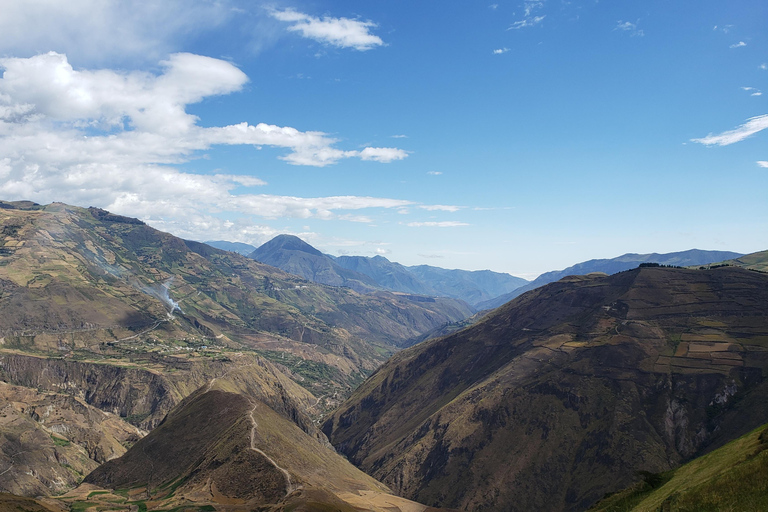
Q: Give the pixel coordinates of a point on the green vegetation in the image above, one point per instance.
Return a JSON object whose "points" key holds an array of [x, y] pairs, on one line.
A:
{"points": [[734, 477], [58, 441], [96, 493]]}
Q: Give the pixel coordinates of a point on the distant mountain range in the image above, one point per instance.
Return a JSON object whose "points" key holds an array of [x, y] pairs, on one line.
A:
{"points": [[612, 266], [364, 274], [238, 247]]}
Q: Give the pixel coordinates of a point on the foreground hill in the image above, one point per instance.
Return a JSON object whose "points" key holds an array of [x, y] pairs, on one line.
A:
{"points": [[565, 393], [693, 257], [734, 477], [223, 447]]}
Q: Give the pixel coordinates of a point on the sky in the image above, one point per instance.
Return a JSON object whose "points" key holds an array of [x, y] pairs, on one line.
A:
{"points": [[520, 137]]}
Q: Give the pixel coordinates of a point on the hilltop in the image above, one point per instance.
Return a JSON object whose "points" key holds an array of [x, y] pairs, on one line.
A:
{"points": [[692, 257]]}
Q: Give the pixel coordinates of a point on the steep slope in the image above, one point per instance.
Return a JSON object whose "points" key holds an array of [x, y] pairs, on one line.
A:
{"points": [[221, 447], [76, 279], [49, 441], [295, 256], [734, 477], [564, 394], [473, 287], [693, 257]]}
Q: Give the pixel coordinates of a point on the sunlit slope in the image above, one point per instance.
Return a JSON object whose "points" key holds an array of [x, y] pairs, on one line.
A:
{"points": [[222, 448], [734, 477], [564, 394], [72, 278]]}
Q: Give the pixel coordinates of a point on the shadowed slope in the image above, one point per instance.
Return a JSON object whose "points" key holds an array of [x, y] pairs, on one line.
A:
{"points": [[565, 393]]}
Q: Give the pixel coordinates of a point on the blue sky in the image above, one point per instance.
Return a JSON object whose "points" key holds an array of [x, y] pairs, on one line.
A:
{"points": [[516, 136]]}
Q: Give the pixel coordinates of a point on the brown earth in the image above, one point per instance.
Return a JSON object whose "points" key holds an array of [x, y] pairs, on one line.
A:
{"points": [[564, 394]]}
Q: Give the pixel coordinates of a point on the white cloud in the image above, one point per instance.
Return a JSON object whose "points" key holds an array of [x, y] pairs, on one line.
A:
{"points": [[629, 27], [440, 207], [100, 30], [752, 126], [381, 251], [738, 45], [441, 224], [763, 163], [339, 32], [384, 155], [434, 173], [110, 139], [499, 51], [527, 22], [399, 136], [752, 91], [763, 66]]}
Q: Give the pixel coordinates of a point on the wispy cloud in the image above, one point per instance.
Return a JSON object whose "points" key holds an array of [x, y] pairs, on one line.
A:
{"points": [[339, 32], [763, 66], [752, 126], [440, 207], [527, 22], [740, 44], [763, 163], [630, 28], [436, 224], [493, 7], [399, 136], [752, 91], [434, 173], [499, 51]]}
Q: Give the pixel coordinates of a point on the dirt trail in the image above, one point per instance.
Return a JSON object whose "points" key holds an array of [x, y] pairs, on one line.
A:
{"points": [[289, 485]]}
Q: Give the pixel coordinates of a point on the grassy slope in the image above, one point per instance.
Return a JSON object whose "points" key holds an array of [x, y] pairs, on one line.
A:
{"points": [[734, 477]]}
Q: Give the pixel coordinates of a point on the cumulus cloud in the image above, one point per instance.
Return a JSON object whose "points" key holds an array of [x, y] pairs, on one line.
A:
{"points": [[763, 163], [101, 30], [436, 224], [738, 45], [339, 32], [111, 139], [752, 126], [499, 51]]}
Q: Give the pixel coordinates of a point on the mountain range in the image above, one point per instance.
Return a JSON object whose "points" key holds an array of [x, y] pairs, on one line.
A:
{"points": [[140, 371], [365, 274], [692, 257]]}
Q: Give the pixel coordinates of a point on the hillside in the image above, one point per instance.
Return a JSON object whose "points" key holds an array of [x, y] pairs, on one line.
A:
{"points": [[755, 261], [74, 279], [567, 392], [693, 257], [734, 477], [221, 447]]}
